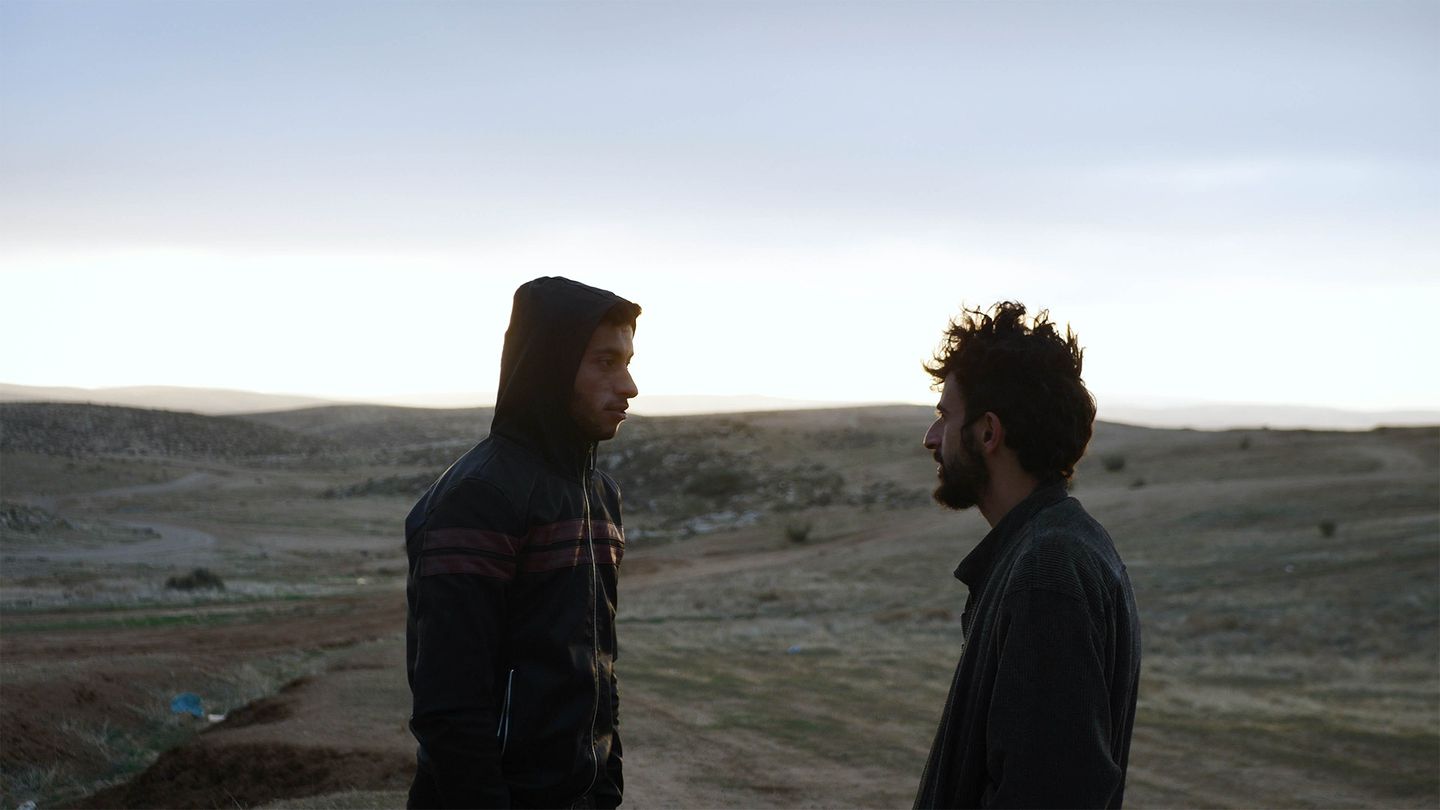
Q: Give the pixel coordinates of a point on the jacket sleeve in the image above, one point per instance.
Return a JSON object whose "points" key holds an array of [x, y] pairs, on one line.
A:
{"points": [[1049, 718], [608, 794], [461, 570]]}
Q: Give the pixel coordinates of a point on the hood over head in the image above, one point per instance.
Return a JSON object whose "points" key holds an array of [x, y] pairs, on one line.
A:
{"points": [[551, 322]]}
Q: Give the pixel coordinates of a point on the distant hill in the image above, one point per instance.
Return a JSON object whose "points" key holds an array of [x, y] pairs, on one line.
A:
{"points": [[225, 401], [79, 430], [688, 474], [216, 401], [377, 427], [462, 408], [1229, 416]]}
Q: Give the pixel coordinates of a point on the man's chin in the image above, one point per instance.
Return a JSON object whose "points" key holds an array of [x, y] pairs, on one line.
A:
{"points": [[602, 432], [952, 498]]}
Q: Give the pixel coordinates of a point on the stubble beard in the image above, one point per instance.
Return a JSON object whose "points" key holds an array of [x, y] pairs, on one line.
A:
{"points": [[598, 431], [961, 483], [592, 426]]}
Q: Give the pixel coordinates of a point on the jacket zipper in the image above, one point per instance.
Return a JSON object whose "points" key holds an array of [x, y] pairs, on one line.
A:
{"points": [[594, 619], [503, 730]]}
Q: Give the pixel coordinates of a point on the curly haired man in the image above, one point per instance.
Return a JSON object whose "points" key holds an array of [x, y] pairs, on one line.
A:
{"points": [[1042, 704]]}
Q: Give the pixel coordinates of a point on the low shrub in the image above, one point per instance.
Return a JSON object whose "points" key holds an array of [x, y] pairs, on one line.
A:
{"points": [[719, 484], [198, 580], [797, 532]]}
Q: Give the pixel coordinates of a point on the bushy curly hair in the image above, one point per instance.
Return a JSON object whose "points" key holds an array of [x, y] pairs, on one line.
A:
{"points": [[1028, 376]]}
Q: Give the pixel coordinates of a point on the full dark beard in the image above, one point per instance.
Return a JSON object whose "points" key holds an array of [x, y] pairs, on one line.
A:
{"points": [[961, 484]]}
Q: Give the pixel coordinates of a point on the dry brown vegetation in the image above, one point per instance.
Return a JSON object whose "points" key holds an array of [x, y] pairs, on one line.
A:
{"points": [[1285, 665]]}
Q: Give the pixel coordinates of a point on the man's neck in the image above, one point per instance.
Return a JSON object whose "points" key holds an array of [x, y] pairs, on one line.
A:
{"points": [[1006, 490]]}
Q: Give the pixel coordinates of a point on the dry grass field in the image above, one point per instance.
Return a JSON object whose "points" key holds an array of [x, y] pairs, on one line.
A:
{"points": [[789, 621]]}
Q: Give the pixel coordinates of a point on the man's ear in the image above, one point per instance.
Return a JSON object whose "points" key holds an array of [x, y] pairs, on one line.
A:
{"points": [[992, 432]]}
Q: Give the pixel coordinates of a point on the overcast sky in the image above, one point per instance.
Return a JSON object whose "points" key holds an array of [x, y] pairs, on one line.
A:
{"points": [[1228, 201]]}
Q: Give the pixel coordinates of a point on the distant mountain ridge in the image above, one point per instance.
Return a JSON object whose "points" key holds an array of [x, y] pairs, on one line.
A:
{"points": [[211, 401], [798, 457], [1233, 416], [1201, 416], [82, 430]]}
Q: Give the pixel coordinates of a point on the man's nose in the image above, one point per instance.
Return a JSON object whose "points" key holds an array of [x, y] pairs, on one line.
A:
{"points": [[627, 386], [932, 436]]}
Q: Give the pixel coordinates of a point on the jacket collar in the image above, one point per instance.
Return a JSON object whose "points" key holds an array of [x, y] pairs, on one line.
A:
{"points": [[975, 568]]}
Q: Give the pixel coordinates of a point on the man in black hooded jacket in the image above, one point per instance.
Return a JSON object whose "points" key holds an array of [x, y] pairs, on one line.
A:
{"points": [[513, 555]]}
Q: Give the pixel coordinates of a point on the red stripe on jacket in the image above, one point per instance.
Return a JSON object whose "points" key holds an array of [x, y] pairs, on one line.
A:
{"points": [[548, 547]]}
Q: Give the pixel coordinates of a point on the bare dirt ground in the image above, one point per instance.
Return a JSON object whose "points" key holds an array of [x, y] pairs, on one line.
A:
{"points": [[87, 693], [1286, 664]]}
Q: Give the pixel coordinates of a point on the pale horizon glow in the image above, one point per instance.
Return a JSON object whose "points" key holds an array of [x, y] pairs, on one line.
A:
{"points": [[1229, 202]]}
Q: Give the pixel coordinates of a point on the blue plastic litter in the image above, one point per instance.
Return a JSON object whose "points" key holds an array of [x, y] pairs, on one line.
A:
{"points": [[794, 649], [187, 703]]}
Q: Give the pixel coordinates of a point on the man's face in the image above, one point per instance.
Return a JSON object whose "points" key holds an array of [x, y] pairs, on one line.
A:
{"points": [[603, 385], [962, 471]]}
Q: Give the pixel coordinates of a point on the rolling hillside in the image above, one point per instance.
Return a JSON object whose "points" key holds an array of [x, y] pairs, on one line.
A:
{"points": [[781, 569], [77, 431]]}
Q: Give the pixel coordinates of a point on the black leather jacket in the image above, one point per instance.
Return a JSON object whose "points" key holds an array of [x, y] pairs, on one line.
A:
{"points": [[513, 555]]}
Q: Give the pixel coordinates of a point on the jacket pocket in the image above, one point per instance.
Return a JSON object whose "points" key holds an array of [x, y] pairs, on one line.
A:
{"points": [[502, 731]]}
